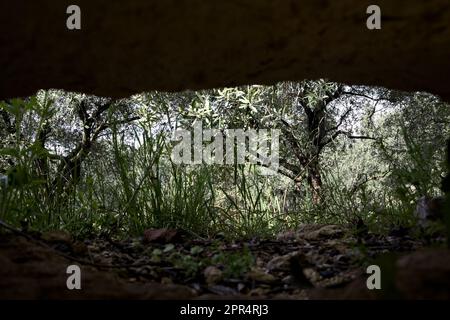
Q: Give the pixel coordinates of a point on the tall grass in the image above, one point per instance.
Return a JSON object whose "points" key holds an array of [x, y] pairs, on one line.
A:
{"points": [[129, 183], [137, 186], [249, 207]]}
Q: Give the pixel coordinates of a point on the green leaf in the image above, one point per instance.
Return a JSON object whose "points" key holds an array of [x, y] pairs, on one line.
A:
{"points": [[169, 247], [196, 250]]}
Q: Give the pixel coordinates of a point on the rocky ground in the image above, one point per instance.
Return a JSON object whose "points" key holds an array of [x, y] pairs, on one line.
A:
{"points": [[314, 262]]}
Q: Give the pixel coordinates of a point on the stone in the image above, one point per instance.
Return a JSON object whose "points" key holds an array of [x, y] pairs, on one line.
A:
{"points": [[160, 235], [259, 275], [317, 232], [129, 47], [281, 263], [57, 236], [424, 274], [212, 275]]}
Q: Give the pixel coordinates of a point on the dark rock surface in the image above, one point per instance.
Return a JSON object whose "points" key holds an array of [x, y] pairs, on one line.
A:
{"points": [[127, 47]]}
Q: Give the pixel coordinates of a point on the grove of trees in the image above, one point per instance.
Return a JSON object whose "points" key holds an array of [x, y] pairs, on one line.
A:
{"points": [[347, 154]]}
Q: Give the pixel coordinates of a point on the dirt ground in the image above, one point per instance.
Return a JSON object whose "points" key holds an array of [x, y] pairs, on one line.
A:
{"points": [[314, 262]]}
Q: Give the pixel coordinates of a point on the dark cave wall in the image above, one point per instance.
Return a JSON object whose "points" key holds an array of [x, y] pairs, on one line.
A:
{"points": [[126, 47]]}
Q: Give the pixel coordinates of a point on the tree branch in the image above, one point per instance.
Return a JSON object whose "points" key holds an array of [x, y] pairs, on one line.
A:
{"points": [[347, 134], [351, 93], [341, 120]]}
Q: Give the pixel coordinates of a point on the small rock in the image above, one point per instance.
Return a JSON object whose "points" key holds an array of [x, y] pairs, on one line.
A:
{"points": [[260, 292], [160, 235], [166, 280], [281, 263], [288, 279], [57, 236], [312, 275], [240, 287], [212, 275], [322, 232], [327, 273], [222, 290], [79, 248], [257, 274], [286, 236]]}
